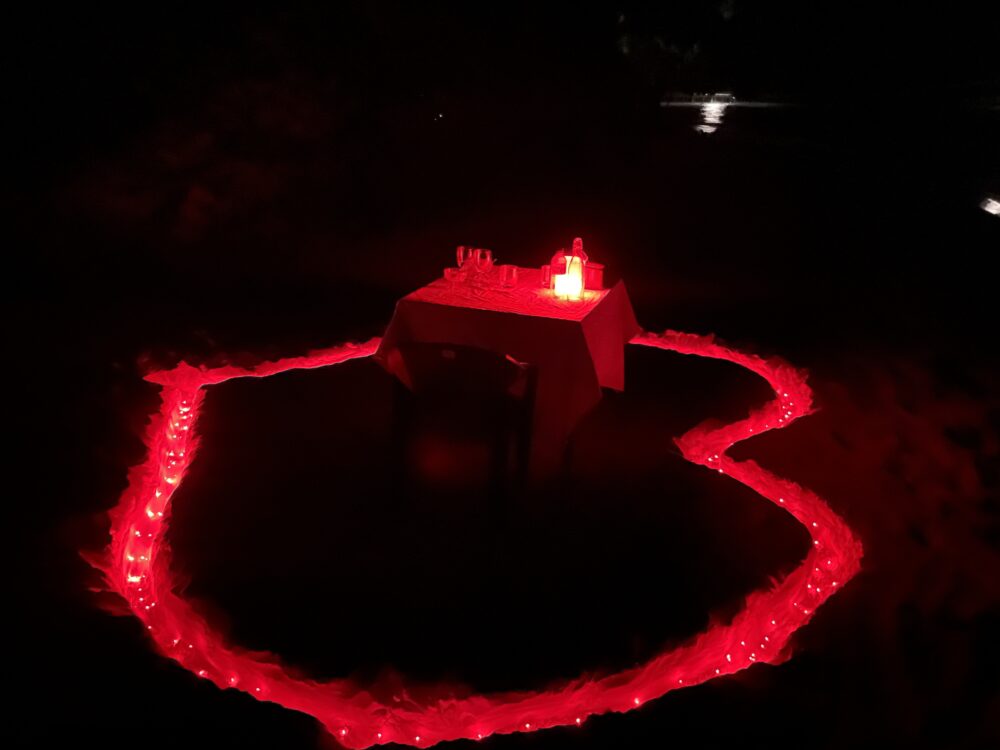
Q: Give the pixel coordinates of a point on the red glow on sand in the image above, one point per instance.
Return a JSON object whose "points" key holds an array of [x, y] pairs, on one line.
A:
{"points": [[137, 566]]}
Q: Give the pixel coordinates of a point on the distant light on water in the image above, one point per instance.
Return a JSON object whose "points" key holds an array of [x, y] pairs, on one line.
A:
{"points": [[711, 116], [991, 206]]}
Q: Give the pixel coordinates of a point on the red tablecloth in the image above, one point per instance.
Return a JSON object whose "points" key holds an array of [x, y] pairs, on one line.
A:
{"points": [[577, 346]]}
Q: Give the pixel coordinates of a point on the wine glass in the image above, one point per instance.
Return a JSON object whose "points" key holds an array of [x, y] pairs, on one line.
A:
{"points": [[463, 254], [484, 259]]}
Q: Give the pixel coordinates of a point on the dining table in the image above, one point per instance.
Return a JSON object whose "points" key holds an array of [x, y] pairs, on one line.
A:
{"points": [[576, 346]]}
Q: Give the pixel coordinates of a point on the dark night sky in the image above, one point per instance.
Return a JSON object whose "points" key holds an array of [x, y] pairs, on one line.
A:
{"points": [[112, 72], [202, 183]]}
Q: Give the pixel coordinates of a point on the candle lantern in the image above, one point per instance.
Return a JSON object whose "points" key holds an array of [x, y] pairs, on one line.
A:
{"points": [[568, 272]]}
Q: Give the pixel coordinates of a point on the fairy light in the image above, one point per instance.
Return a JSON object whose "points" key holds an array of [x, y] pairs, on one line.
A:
{"points": [[139, 553]]}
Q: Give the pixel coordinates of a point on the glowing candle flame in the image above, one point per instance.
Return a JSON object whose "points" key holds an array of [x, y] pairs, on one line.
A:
{"points": [[569, 285]]}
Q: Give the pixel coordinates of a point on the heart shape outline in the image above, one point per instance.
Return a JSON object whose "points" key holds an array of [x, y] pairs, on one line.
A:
{"points": [[136, 566]]}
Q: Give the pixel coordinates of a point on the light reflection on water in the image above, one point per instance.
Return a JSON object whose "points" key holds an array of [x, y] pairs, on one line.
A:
{"points": [[711, 116]]}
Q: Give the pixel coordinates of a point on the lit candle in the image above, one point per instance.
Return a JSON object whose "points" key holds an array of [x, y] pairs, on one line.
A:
{"points": [[569, 284]]}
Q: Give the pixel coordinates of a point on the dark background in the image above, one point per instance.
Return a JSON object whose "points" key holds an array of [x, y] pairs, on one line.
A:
{"points": [[215, 184]]}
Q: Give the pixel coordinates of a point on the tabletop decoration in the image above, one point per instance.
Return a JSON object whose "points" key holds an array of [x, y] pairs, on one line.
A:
{"points": [[573, 332]]}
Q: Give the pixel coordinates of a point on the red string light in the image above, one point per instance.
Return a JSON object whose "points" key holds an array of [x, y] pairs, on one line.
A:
{"points": [[136, 565]]}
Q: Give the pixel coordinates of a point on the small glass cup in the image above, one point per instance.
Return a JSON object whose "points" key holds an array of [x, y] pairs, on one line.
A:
{"points": [[484, 259], [508, 276], [463, 254], [546, 276], [593, 275]]}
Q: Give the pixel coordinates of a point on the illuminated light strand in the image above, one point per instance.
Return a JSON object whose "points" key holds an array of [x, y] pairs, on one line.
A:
{"points": [[139, 554]]}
